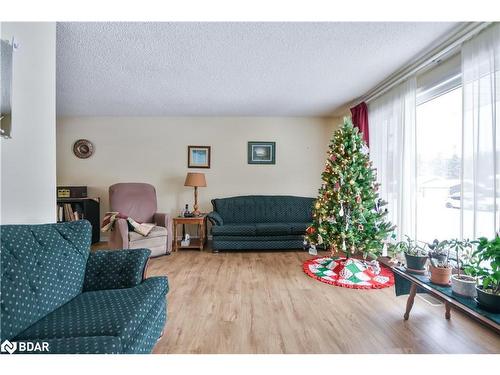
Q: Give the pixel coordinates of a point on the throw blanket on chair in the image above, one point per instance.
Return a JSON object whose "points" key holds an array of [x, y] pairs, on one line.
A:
{"points": [[108, 223]]}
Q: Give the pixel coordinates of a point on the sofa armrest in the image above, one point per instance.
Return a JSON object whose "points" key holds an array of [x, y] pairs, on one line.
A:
{"points": [[215, 218], [108, 269], [164, 220]]}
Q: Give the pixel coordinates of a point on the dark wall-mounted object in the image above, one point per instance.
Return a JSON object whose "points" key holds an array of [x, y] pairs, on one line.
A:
{"points": [[261, 152], [83, 148]]}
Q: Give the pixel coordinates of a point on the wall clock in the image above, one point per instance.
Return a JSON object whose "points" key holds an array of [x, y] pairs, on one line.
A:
{"points": [[83, 148]]}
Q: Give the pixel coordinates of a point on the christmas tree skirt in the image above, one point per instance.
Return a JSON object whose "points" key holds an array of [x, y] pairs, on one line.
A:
{"points": [[349, 273]]}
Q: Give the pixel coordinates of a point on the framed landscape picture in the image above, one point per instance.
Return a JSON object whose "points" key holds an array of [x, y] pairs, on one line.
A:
{"points": [[198, 156], [261, 152]]}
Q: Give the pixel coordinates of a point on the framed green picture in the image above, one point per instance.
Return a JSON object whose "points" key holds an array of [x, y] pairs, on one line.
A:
{"points": [[261, 152]]}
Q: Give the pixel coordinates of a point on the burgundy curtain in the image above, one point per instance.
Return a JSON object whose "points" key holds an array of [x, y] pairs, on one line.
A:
{"points": [[360, 119]]}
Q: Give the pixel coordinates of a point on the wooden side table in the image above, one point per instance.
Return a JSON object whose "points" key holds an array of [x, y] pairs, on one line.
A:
{"points": [[196, 243]]}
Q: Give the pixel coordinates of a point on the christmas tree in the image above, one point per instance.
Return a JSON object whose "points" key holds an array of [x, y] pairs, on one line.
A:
{"points": [[348, 214]]}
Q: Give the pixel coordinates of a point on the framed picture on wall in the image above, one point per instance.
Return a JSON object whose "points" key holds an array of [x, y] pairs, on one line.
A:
{"points": [[198, 156], [261, 152]]}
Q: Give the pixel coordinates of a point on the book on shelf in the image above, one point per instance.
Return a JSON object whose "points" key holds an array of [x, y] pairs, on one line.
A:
{"points": [[70, 212], [60, 213]]}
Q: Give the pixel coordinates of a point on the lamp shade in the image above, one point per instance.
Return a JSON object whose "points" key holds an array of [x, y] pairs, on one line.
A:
{"points": [[195, 179]]}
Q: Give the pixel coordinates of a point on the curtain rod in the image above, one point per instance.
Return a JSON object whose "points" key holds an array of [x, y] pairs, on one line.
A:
{"points": [[445, 47]]}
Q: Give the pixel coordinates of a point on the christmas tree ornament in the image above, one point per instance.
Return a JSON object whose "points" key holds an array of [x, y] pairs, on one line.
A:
{"points": [[364, 149], [341, 212], [310, 230], [320, 239], [312, 250]]}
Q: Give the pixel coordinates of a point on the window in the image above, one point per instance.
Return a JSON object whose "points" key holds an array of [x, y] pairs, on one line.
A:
{"points": [[439, 141]]}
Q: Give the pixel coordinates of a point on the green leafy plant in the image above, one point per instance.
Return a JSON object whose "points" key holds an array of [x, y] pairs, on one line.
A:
{"points": [[464, 250], [439, 253], [487, 264], [408, 246]]}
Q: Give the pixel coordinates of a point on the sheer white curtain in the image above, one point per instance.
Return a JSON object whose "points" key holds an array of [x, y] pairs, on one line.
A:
{"points": [[480, 215], [392, 125]]}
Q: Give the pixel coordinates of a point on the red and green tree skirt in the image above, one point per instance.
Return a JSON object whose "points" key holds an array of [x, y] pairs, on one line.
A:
{"points": [[348, 214]]}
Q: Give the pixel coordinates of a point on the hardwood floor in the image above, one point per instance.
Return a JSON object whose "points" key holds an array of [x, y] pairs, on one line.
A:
{"points": [[262, 302]]}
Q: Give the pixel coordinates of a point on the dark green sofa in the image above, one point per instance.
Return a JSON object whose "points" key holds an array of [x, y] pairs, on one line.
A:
{"points": [[260, 222], [54, 290]]}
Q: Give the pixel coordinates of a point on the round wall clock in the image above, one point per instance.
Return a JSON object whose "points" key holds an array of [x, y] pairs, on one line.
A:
{"points": [[83, 148]]}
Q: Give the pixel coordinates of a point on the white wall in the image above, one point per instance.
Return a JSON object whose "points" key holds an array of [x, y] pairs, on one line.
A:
{"points": [[28, 160], [154, 150]]}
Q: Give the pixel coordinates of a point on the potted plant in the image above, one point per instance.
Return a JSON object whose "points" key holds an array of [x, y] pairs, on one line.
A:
{"points": [[415, 255], [487, 268], [440, 266], [463, 283]]}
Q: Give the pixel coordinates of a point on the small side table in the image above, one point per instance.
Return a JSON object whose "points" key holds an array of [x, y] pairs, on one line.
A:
{"points": [[196, 243]]}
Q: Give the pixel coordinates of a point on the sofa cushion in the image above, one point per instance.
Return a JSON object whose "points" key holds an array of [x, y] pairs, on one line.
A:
{"points": [[234, 230], [299, 228], [42, 268], [266, 229], [264, 209], [155, 232], [115, 312]]}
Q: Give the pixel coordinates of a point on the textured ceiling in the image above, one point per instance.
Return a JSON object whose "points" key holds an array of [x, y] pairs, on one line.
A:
{"points": [[228, 69]]}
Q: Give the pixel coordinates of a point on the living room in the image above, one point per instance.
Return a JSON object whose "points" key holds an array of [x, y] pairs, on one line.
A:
{"points": [[226, 187]]}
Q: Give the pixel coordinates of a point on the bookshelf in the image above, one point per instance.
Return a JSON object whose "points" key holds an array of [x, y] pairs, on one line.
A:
{"points": [[69, 209]]}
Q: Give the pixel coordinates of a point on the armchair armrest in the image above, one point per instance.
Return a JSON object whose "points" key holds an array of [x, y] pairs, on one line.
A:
{"points": [[164, 220], [118, 237], [215, 218], [108, 269]]}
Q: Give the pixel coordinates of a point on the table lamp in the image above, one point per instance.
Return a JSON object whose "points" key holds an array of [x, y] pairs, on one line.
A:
{"points": [[196, 180]]}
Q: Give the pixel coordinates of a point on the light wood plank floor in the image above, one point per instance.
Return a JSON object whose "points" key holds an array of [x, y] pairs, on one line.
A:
{"points": [[262, 302]]}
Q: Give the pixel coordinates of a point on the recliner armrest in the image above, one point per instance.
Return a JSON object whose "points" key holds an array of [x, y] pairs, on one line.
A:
{"points": [[215, 218], [164, 220], [108, 269]]}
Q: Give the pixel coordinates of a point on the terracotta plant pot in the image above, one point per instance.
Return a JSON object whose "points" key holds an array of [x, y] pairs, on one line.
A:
{"points": [[440, 276], [488, 301], [416, 262], [464, 286]]}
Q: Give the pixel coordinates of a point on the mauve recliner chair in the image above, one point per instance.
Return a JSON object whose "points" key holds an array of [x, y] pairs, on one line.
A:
{"points": [[138, 201]]}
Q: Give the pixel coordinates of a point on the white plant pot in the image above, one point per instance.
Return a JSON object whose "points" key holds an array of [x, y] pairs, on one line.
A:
{"points": [[462, 287]]}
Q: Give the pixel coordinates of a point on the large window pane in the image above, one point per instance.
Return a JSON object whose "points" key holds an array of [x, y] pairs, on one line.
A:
{"points": [[439, 139]]}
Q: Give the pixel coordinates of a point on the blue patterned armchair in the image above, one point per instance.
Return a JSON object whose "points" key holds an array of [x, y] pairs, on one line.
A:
{"points": [[53, 290]]}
